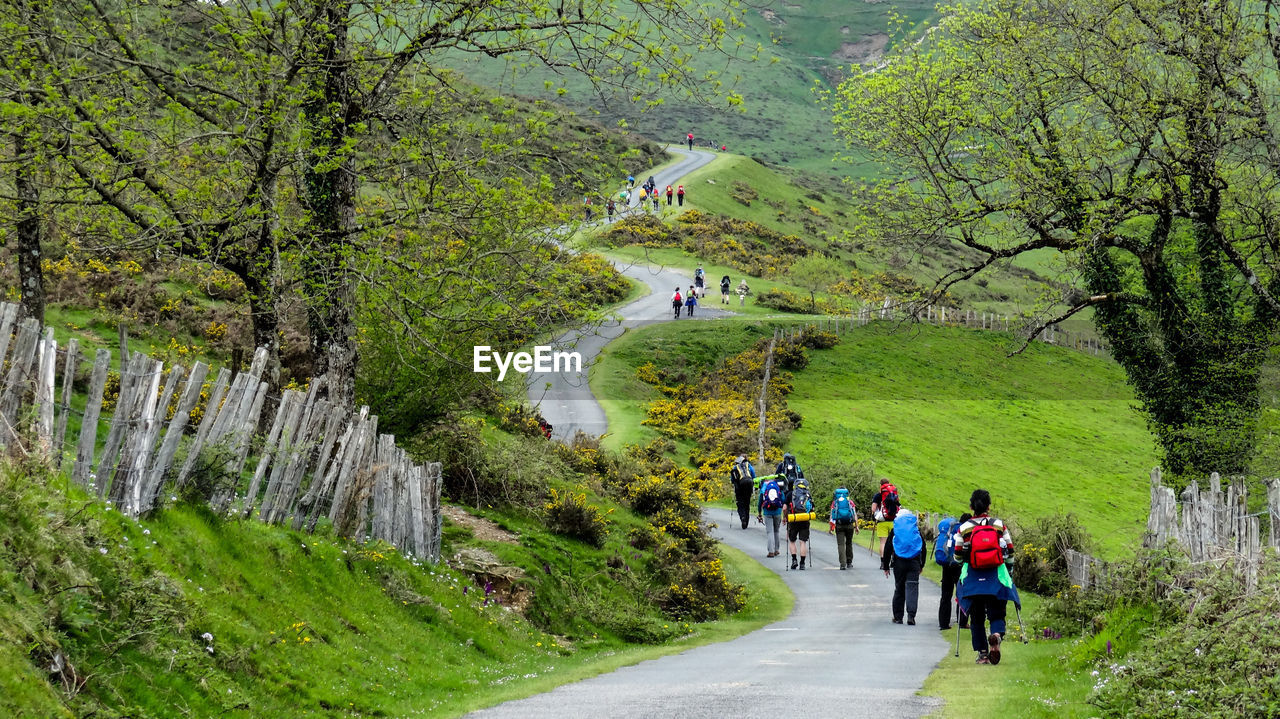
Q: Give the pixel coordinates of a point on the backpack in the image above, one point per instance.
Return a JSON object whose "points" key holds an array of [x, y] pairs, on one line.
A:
{"points": [[843, 512], [677, 301], [735, 474], [772, 495], [801, 502], [944, 551], [790, 470], [888, 501], [907, 542], [984, 547], [725, 282]]}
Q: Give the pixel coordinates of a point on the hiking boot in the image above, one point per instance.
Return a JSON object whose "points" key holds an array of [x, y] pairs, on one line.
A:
{"points": [[994, 653], [843, 567], [982, 658], [793, 564], [802, 566], [911, 621], [897, 621], [944, 627]]}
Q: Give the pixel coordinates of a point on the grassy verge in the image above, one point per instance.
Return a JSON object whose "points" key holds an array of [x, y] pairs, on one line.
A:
{"points": [[1032, 680]]}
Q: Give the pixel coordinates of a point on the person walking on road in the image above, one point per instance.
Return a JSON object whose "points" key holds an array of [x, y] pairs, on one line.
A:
{"points": [[680, 195], [670, 193], [677, 302], [743, 291], [844, 523], [769, 504], [611, 208], [700, 281], [725, 282], [884, 507], [985, 550], [944, 553], [691, 301], [800, 512], [904, 553], [690, 139], [631, 181], [653, 195], [742, 476]]}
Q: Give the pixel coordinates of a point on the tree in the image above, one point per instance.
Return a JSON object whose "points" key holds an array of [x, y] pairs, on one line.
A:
{"points": [[1137, 140], [816, 273]]}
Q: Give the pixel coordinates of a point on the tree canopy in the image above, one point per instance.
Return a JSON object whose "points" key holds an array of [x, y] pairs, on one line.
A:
{"points": [[1136, 139]]}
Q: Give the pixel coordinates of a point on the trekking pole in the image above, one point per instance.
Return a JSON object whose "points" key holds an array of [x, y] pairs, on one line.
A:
{"points": [[1018, 610], [958, 623]]}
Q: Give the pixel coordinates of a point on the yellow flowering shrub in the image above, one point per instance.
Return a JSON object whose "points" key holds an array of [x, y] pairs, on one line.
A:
{"points": [[704, 593], [570, 514]]}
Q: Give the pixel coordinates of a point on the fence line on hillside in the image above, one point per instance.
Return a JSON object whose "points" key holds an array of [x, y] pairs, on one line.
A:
{"points": [[941, 316], [1210, 526], [317, 460]]}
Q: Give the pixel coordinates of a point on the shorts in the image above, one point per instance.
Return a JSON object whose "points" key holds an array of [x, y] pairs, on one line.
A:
{"points": [[882, 529], [797, 531]]}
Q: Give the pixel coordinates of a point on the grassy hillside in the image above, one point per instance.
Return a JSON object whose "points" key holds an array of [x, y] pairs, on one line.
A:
{"points": [[940, 412], [189, 613], [780, 120]]}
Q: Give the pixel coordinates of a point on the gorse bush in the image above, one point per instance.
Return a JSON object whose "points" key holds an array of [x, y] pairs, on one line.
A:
{"points": [[788, 301], [569, 514], [704, 593], [1041, 545]]}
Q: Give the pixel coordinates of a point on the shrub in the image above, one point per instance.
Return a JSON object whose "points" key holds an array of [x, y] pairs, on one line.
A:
{"points": [[570, 515], [1040, 563], [791, 355], [704, 593], [816, 339], [649, 495]]}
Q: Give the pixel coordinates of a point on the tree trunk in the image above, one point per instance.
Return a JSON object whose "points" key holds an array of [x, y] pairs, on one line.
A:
{"points": [[30, 273], [330, 193]]}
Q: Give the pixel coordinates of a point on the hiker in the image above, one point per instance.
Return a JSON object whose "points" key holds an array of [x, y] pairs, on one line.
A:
{"points": [[769, 505], [690, 139], [724, 289], [742, 476], [587, 209], [743, 291], [985, 550], [904, 553], [677, 302], [653, 194], [800, 512], [651, 184], [884, 507], [691, 301], [723, 148], [944, 553], [680, 196], [789, 468], [611, 208], [844, 523], [700, 281], [631, 181], [643, 193], [670, 193], [625, 196]]}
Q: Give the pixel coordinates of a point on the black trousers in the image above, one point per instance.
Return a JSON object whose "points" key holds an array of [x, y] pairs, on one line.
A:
{"points": [[950, 578], [906, 587], [981, 609], [742, 493]]}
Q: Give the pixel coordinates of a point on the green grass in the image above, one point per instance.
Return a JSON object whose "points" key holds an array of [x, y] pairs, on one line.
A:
{"points": [[941, 411], [1032, 680]]}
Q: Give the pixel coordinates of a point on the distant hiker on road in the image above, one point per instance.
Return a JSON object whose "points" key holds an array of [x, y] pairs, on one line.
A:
{"points": [[587, 209], [986, 551], [743, 291], [799, 514], [651, 185], [724, 289], [691, 301], [904, 553], [631, 181], [742, 476], [670, 194], [680, 195], [884, 507], [690, 139], [700, 281], [677, 302], [944, 553], [844, 522], [611, 208], [653, 194], [769, 504]]}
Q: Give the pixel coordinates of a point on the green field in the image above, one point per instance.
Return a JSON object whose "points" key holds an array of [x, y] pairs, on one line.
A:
{"points": [[940, 412]]}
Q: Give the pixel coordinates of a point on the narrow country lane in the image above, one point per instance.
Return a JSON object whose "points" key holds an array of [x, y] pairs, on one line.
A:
{"points": [[838, 653], [564, 398]]}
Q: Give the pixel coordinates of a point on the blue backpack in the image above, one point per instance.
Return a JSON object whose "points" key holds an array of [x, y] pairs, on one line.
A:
{"points": [[843, 512], [944, 550], [907, 542], [772, 495]]}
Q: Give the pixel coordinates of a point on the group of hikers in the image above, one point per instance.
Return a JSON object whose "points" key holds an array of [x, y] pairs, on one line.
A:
{"points": [[975, 552], [698, 290]]}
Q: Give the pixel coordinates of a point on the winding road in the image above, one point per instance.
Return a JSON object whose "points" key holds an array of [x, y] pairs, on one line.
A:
{"points": [[837, 653], [564, 398]]}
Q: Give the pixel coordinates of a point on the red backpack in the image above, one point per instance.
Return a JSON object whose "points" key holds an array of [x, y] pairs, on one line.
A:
{"points": [[984, 547]]}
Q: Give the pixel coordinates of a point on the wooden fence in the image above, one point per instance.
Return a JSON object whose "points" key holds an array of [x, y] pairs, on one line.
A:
{"points": [[1211, 527], [317, 460], [944, 317]]}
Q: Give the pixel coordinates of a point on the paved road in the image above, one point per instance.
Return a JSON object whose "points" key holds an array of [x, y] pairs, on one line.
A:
{"points": [[838, 653], [564, 398]]}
